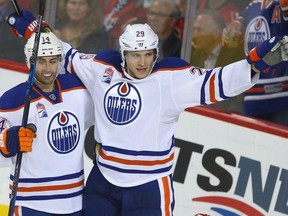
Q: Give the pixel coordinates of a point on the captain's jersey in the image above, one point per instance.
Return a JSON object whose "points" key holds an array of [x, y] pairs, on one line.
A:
{"points": [[52, 175], [263, 20], [136, 119]]}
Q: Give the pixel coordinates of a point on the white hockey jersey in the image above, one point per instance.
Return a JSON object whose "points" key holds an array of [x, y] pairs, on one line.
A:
{"points": [[136, 119], [52, 175]]}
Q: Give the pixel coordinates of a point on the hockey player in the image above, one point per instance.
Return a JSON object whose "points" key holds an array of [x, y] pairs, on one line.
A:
{"points": [[52, 175], [268, 98], [138, 102]]}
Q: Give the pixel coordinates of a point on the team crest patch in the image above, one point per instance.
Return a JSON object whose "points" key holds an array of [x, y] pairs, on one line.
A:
{"points": [[257, 31], [63, 132], [122, 103], [107, 76], [41, 110]]}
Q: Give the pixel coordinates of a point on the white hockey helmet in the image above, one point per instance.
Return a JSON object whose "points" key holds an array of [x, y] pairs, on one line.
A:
{"points": [[49, 45], [138, 37]]}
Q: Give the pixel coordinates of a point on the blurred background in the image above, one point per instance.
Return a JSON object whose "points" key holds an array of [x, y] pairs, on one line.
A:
{"points": [[206, 33]]}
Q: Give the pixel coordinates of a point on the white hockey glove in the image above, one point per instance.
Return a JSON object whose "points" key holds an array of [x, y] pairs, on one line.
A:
{"points": [[268, 54]]}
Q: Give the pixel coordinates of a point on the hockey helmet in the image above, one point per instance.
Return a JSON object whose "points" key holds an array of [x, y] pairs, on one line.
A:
{"points": [[138, 37], [49, 45]]}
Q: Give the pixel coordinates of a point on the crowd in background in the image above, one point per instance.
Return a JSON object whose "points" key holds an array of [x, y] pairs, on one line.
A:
{"points": [[218, 37], [100, 22]]}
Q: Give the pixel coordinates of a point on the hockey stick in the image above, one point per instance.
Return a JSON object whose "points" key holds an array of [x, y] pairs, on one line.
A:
{"points": [[16, 7], [30, 81]]}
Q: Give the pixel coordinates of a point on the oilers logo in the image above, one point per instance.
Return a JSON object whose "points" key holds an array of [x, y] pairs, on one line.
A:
{"points": [[122, 103], [257, 31], [63, 132]]}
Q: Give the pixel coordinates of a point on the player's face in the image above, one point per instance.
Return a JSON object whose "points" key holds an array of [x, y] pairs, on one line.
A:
{"points": [[46, 72], [139, 63]]}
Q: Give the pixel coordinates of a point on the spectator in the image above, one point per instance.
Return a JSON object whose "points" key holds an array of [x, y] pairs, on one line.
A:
{"points": [[162, 16], [268, 99], [78, 22], [208, 52], [9, 47]]}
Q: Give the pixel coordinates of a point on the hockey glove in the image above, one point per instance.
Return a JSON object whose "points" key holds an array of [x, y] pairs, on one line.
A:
{"points": [[25, 25], [268, 54], [16, 139]]}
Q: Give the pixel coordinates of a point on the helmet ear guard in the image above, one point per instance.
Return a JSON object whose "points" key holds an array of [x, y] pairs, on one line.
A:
{"points": [[49, 45], [138, 37]]}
